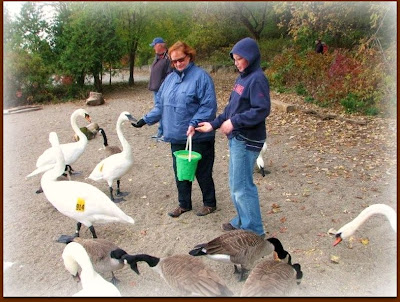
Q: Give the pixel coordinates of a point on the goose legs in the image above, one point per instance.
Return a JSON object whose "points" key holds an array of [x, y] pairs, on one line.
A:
{"points": [[242, 273]]}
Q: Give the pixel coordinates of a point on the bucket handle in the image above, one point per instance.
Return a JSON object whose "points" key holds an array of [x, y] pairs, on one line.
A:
{"points": [[189, 143]]}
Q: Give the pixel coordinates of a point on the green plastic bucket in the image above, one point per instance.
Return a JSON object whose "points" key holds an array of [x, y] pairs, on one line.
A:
{"points": [[186, 170]]}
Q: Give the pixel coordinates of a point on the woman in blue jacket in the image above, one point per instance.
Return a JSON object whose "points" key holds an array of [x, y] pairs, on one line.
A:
{"points": [[185, 99], [243, 122]]}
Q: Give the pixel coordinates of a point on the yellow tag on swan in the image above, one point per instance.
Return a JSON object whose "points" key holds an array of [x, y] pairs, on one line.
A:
{"points": [[80, 205], [101, 168]]}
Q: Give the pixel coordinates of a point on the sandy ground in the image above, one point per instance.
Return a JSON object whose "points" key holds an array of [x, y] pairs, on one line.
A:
{"points": [[311, 188]]}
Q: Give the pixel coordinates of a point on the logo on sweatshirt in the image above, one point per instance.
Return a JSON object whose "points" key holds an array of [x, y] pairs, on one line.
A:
{"points": [[239, 89]]}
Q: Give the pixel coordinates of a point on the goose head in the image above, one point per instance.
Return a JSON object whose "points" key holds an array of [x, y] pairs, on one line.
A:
{"points": [[120, 254]]}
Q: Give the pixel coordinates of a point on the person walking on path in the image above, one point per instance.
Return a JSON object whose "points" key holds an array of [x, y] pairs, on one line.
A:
{"points": [[160, 68], [243, 122], [185, 99]]}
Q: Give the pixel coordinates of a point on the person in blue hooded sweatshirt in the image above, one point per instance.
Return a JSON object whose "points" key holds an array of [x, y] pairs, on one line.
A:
{"points": [[243, 122], [186, 98]]}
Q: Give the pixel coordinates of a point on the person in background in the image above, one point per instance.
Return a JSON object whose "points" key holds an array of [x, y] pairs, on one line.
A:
{"points": [[243, 122], [160, 68], [185, 99], [318, 46]]}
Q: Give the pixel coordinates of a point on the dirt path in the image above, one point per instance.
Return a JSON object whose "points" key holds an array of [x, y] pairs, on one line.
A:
{"points": [[323, 173]]}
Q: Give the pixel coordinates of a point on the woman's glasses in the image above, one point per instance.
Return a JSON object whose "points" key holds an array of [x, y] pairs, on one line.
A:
{"points": [[180, 60]]}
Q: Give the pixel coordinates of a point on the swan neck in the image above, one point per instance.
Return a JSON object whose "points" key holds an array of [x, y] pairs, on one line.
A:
{"points": [[372, 210], [126, 148], [81, 135]]}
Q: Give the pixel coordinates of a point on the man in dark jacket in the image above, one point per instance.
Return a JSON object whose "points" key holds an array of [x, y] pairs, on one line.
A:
{"points": [[243, 122], [160, 68]]}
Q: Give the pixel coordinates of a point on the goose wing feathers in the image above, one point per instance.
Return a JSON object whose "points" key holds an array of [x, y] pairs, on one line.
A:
{"points": [[190, 275], [233, 243], [270, 278]]}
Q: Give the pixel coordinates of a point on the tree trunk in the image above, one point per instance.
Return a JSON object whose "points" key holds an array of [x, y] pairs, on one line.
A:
{"points": [[97, 82], [131, 68]]}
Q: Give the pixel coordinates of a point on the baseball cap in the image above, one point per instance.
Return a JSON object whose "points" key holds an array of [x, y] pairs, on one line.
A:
{"points": [[156, 41]]}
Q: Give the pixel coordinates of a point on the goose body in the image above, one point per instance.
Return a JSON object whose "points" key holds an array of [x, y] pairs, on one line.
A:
{"points": [[71, 151], [239, 247], [183, 273], [77, 200], [90, 131], [260, 160], [99, 253], [75, 256], [272, 278], [110, 150], [117, 165], [348, 229]]}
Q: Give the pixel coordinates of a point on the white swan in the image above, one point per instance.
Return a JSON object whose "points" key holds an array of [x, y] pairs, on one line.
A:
{"points": [[117, 165], [80, 201], [99, 253], [260, 161], [75, 256], [71, 151], [348, 229]]}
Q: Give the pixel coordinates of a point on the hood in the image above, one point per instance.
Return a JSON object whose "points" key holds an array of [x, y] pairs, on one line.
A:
{"points": [[248, 49]]}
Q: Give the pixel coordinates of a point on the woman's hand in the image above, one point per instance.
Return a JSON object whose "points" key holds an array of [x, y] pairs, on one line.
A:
{"points": [[204, 127], [190, 131]]}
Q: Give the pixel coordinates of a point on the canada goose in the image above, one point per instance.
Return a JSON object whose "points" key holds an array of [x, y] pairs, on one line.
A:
{"points": [[99, 252], [117, 165], [75, 256], [90, 131], [71, 151], [183, 273], [240, 247], [348, 229], [260, 161], [272, 278], [80, 201], [109, 149]]}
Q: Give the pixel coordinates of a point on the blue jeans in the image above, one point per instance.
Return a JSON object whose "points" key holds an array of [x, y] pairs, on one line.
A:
{"points": [[160, 129], [243, 191]]}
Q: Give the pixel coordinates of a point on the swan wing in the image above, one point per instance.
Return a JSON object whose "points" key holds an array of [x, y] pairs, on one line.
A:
{"points": [[84, 202]]}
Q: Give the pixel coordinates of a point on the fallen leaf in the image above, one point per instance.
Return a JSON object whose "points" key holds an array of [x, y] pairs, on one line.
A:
{"points": [[335, 259], [364, 241], [283, 219]]}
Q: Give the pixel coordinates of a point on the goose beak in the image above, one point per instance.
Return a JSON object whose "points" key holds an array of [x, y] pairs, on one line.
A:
{"points": [[87, 117], [131, 118]]}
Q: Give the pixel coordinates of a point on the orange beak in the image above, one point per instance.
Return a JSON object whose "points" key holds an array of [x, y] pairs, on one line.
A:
{"points": [[337, 241], [87, 117]]}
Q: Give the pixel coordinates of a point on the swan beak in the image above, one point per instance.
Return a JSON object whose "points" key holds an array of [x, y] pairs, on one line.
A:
{"points": [[131, 118], [76, 278], [87, 117], [337, 241]]}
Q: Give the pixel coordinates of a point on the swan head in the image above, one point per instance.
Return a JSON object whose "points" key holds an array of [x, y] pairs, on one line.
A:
{"points": [[344, 232], [70, 264], [83, 113], [126, 116]]}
